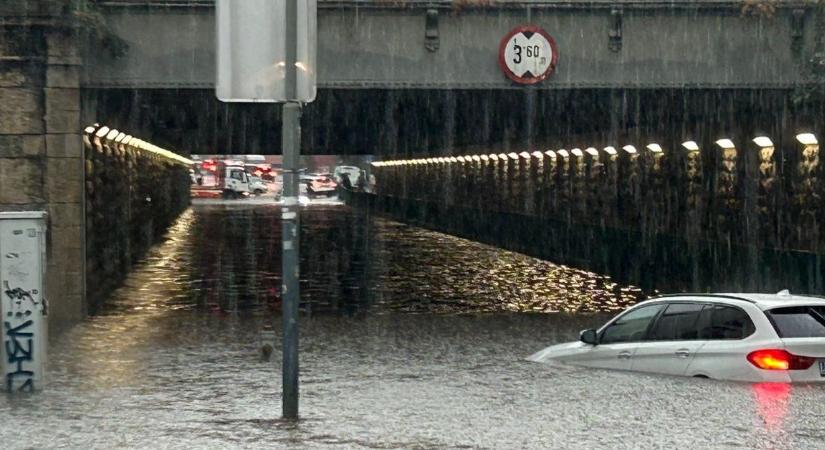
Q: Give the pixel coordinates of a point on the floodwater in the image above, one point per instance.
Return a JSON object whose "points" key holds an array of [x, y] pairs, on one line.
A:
{"points": [[409, 339]]}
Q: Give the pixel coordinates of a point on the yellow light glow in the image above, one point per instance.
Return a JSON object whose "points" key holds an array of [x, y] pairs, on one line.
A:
{"points": [[102, 131], [563, 153], [537, 154], [550, 153], [524, 155], [630, 149], [502, 156], [485, 158], [476, 158], [610, 150], [691, 146], [577, 152], [807, 139], [725, 143], [592, 151], [655, 148], [763, 141]]}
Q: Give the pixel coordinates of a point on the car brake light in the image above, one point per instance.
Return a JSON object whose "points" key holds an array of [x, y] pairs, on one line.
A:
{"points": [[775, 359]]}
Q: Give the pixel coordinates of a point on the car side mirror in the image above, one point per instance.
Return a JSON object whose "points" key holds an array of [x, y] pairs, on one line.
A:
{"points": [[589, 337]]}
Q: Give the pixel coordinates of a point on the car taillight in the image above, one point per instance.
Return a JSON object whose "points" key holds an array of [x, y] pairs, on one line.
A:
{"points": [[775, 359]]}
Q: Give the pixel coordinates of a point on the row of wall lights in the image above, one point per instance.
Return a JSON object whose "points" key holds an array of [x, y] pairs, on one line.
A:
{"points": [[761, 141], [121, 138]]}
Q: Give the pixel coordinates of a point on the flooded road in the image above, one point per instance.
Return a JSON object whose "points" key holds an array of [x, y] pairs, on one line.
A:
{"points": [[409, 339]]}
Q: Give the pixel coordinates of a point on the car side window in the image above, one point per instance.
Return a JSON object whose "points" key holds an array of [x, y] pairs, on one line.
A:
{"points": [[677, 323], [632, 326], [724, 322], [237, 174]]}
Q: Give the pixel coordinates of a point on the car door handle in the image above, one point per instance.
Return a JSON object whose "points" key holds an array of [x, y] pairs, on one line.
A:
{"points": [[623, 355], [682, 353]]}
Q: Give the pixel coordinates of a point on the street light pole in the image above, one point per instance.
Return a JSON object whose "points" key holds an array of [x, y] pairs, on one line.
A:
{"points": [[290, 218]]}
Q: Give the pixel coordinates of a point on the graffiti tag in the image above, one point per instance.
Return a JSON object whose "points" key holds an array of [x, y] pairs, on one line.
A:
{"points": [[17, 295], [18, 345]]}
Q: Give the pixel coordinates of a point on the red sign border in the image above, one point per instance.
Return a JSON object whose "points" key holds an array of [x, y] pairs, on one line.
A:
{"points": [[503, 46]]}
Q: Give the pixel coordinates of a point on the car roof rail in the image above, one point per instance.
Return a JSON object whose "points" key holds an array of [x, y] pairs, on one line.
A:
{"points": [[692, 294]]}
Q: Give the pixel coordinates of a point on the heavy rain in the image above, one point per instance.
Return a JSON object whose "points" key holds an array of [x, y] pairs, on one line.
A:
{"points": [[412, 224]]}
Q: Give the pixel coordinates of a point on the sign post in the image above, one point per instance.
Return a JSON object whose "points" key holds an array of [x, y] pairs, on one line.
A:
{"points": [[23, 302], [266, 53]]}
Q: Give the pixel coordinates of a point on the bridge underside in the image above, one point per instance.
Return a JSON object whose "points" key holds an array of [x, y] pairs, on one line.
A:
{"points": [[391, 123]]}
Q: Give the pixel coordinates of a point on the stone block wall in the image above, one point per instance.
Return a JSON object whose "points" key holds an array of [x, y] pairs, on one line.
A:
{"points": [[41, 160], [740, 214], [132, 195]]}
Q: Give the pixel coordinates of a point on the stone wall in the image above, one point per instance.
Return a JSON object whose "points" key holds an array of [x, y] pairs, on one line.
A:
{"points": [[746, 217], [133, 194], [41, 162]]}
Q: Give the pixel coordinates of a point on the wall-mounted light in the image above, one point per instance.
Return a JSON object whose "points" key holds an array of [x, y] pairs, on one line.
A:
{"points": [[494, 157], [485, 158], [610, 150], [502, 156], [102, 131], [550, 153], [513, 155], [725, 143], [630, 149], [691, 146], [460, 159], [655, 148], [592, 152], [763, 141], [453, 159], [577, 152], [807, 139], [112, 134], [563, 153], [524, 155], [537, 154]]}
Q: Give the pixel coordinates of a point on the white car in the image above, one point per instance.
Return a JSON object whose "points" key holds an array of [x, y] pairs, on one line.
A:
{"points": [[742, 337], [257, 186]]}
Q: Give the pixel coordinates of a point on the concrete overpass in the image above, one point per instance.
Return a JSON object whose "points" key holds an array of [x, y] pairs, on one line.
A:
{"points": [[442, 44], [412, 77]]}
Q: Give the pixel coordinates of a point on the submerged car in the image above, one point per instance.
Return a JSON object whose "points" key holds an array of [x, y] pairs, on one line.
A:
{"points": [[741, 337]]}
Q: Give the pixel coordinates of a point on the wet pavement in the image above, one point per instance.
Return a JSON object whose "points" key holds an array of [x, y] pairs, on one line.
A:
{"points": [[409, 339]]}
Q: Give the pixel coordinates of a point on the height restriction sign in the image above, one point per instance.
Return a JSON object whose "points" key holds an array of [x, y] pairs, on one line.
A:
{"points": [[527, 54]]}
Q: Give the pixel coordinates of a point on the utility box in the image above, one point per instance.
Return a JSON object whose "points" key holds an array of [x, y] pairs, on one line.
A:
{"points": [[22, 299]]}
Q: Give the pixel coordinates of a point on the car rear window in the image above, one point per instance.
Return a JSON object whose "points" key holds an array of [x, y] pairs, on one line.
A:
{"points": [[798, 321]]}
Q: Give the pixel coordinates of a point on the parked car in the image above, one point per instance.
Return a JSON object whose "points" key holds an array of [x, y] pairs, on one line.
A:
{"points": [[257, 186], [744, 337], [322, 184], [351, 172]]}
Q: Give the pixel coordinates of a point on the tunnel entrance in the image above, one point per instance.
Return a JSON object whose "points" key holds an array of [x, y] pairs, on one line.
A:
{"points": [[389, 123]]}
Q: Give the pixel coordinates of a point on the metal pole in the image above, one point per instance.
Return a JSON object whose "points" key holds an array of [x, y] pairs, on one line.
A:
{"points": [[290, 145]]}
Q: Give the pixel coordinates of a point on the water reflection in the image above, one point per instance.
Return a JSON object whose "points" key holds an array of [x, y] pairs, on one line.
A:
{"points": [[772, 404], [352, 262]]}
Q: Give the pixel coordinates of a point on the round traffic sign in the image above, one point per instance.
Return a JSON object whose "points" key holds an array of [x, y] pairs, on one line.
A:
{"points": [[527, 54]]}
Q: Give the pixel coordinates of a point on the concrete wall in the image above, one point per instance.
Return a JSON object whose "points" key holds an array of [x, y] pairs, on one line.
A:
{"points": [[743, 218], [132, 196], [41, 161], [382, 44]]}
